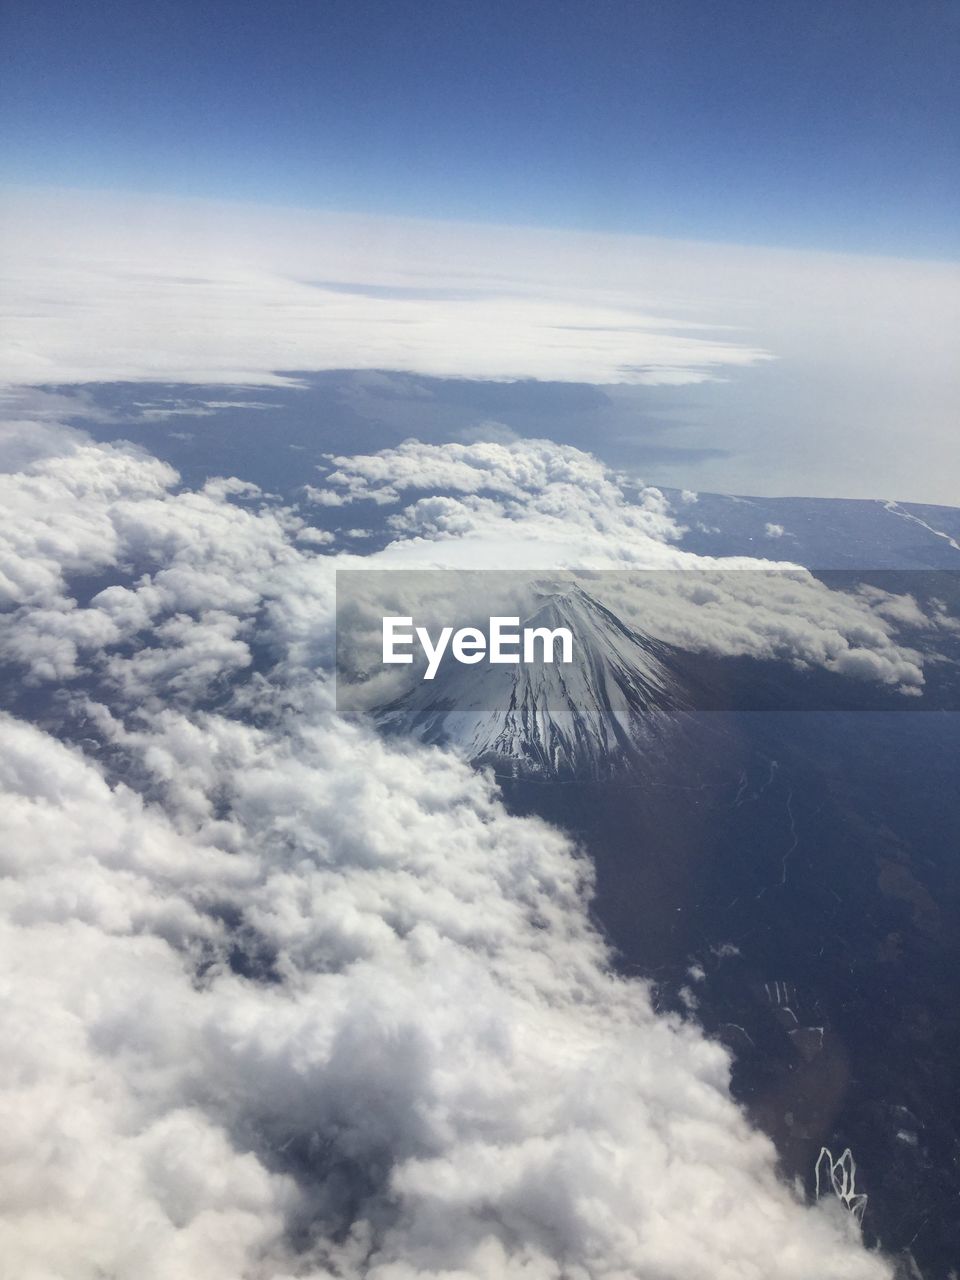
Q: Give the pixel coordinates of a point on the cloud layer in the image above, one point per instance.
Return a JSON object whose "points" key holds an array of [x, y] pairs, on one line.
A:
{"points": [[285, 1001], [208, 293], [431, 1074], [537, 505], [859, 400]]}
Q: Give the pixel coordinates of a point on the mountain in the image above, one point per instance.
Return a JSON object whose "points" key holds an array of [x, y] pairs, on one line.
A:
{"points": [[618, 700], [773, 849]]}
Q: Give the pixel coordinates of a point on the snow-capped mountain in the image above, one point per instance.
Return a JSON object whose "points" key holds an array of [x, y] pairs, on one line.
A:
{"points": [[588, 719]]}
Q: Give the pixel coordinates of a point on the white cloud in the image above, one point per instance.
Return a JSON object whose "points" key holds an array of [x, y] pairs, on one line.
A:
{"points": [[209, 562], [536, 505], [288, 1001], [860, 401], [441, 1059], [101, 289]]}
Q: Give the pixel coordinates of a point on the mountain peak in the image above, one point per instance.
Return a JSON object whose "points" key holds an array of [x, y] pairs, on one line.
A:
{"points": [[591, 718]]}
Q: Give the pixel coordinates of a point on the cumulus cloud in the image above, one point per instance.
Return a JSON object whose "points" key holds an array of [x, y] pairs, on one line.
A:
{"points": [[183, 573], [536, 505], [284, 1000], [344, 1016], [199, 572], [529, 504]]}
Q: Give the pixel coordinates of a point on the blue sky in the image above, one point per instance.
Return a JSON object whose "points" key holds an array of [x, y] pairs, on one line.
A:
{"points": [[821, 123]]}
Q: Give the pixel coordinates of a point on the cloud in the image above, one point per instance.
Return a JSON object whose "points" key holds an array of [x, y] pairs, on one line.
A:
{"points": [[422, 1050], [288, 1001], [540, 506], [158, 298], [216, 567], [108, 287], [60, 511]]}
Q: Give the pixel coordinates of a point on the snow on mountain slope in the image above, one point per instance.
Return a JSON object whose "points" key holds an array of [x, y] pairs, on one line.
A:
{"points": [[589, 718]]}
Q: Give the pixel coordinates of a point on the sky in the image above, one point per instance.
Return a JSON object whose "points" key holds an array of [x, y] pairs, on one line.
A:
{"points": [[738, 370], [809, 124], [754, 200], [265, 1020]]}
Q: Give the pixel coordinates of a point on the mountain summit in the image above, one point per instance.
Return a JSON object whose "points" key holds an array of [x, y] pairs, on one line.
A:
{"points": [[590, 718]]}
